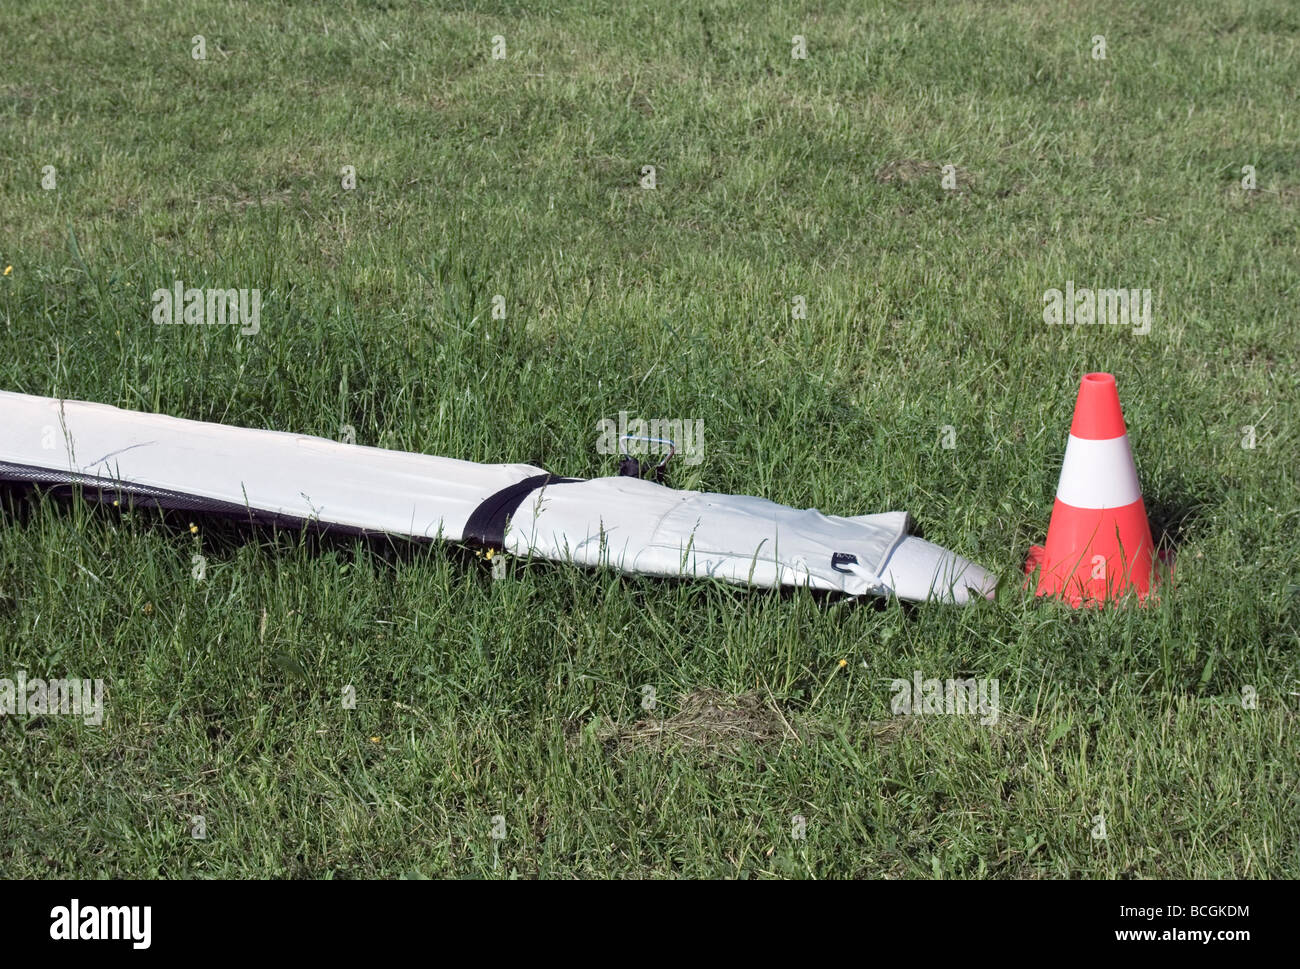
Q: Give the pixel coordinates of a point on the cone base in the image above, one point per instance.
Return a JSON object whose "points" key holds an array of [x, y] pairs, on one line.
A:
{"points": [[1046, 586]]}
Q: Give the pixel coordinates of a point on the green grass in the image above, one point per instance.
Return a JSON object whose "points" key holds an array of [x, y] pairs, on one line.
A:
{"points": [[775, 177]]}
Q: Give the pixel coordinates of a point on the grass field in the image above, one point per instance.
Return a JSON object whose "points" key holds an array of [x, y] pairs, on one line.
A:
{"points": [[518, 707]]}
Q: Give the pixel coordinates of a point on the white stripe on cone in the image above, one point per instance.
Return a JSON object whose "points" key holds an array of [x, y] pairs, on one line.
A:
{"points": [[1098, 474]]}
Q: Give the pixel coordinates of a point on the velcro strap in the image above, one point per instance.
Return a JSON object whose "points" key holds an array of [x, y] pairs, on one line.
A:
{"points": [[486, 527]]}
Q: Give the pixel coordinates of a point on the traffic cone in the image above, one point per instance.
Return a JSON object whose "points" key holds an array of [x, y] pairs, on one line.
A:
{"points": [[1099, 541]]}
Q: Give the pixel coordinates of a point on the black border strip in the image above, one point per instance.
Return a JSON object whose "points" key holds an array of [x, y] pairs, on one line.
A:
{"points": [[108, 490]]}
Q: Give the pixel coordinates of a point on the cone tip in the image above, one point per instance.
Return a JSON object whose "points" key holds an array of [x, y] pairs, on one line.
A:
{"points": [[1097, 414]]}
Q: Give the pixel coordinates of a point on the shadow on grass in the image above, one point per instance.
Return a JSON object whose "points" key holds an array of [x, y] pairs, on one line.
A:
{"points": [[1173, 521]]}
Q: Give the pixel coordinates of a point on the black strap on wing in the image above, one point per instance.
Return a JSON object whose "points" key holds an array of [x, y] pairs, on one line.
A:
{"points": [[486, 527]]}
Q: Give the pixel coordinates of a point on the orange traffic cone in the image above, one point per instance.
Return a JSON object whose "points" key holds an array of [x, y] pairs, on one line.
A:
{"points": [[1099, 541]]}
